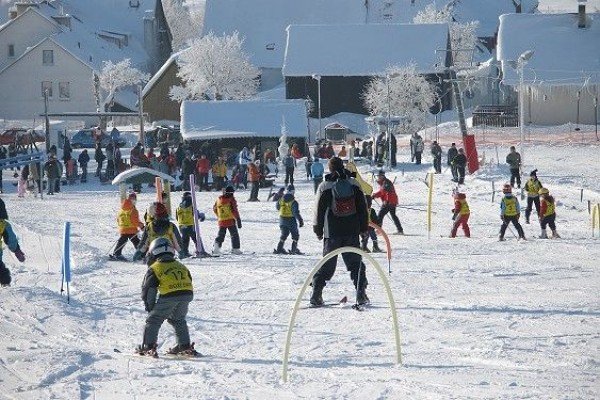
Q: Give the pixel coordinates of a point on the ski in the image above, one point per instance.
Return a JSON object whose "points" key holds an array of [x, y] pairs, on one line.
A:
{"points": [[343, 301], [158, 356]]}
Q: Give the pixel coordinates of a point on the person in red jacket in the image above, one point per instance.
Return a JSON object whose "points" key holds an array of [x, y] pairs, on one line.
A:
{"points": [[226, 210], [129, 223], [547, 213], [460, 215], [203, 166], [389, 201], [254, 179]]}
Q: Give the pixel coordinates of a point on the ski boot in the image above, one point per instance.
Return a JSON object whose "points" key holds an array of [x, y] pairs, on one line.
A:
{"points": [[237, 252], [361, 297], [364, 248], [280, 249], [555, 235], [376, 248], [216, 250], [147, 350], [316, 299], [117, 257], [186, 350], [544, 235], [294, 249], [501, 239]]}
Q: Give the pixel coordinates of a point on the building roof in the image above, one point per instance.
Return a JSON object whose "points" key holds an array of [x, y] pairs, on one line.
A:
{"points": [[161, 71], [563, 53], [363, 50], [202, 120]]}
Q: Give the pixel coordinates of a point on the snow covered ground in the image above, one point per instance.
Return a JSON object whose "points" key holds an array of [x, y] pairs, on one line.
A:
{"points": [[478, 318]]}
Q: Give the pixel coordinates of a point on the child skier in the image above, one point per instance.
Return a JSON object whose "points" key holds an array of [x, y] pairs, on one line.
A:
{"points": [[547, 213], [185, 220], [510, 211], [371, 233], [532, 186], [289, 219], [128, 220], [225, 208], [461, 214], [8, 237], [172, 282], [159, 227]]}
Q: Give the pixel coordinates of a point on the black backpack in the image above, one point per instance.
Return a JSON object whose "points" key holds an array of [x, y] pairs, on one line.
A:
{"points": [[343, 203]]}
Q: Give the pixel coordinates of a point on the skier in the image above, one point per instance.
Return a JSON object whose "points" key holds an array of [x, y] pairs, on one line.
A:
{"points": [[8, 237], [340, 217], [532, 187], [317, 170], [416, 146], [277, 195], [371, 232], [83, 159], [510, 211], [185, 219], [436, 152], [452, 152], [219, 173], [172, 281], [513, 159], [547, 213], [460, 163], [225, 208], [389, 201], [289, 162], [160, 226], [289, 219], [254, 179], [128, 220], [460, 214]]}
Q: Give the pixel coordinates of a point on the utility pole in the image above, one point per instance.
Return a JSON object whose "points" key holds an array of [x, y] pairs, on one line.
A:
{"points": [[141, 110], [47, 121]]}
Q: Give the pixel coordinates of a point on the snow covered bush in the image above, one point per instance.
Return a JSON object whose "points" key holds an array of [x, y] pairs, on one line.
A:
{"points": [[185, 23], [116, 76], [216, 68], [462, 36], [404, 93]]}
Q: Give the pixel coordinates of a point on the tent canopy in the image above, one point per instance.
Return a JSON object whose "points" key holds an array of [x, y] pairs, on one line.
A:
{"points": [[138, 175]]}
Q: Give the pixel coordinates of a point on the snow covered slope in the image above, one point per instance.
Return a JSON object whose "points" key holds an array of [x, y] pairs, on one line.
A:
{"points": [[478, 318]]}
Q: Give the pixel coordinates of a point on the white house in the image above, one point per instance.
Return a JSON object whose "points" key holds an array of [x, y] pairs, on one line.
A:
{"points": [[562, 77], [44, 48]]}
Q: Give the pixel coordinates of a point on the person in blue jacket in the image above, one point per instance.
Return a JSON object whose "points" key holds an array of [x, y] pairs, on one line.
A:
{"points": [[289, 219], [317, 170], [9, 238]]}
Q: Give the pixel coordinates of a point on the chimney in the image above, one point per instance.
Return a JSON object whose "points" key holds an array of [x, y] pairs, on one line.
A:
{"points": [[12, 13], [64, 20], [22, 6], [581, 14]]}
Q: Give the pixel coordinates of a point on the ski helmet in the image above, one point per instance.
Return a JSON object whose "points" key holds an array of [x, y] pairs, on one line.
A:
{"points": [[132, 196], [543, 191], [507, 188], [186, 194], [291, 189], [229, 189], [160, 246]]}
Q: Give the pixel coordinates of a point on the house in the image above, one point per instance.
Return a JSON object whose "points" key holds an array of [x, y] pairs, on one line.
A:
{"points": [[155, 96], [231, 124], [62, 45], [343, 59], [561, 78]]}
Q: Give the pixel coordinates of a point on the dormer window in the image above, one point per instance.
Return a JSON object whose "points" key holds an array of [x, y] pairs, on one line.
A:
{"points": [[11, 50], [48, 57]]}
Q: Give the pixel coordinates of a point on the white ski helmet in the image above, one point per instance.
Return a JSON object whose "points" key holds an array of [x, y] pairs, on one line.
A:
{"points": [[160, 246]]}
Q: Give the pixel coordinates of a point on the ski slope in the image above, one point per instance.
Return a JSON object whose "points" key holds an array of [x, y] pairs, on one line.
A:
{"points": [[478, 318]]}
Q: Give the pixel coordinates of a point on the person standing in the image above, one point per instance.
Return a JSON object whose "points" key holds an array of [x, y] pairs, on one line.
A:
{"points": [[254, 179], [532, 187], [244, 159], [83, 160], [452, 153], [52, 169], [289, 219], [417, 146], [513, 159], [10, 240], [159, 226], [185, 219], [172, 282], [510, 211], [393, 149], [340, 218], [460, 214], [547, 213], [436, 152], [118, 160], [317, 170], [228, 217], [128, 220], [99, 157], [289, 162], [219, 173], [460, 163], [389, 201], [203, 167], [110, 161]]}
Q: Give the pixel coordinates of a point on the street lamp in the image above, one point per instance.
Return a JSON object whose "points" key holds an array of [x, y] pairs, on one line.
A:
{"points": [[518, 65], [318, 79], [389, 115]]}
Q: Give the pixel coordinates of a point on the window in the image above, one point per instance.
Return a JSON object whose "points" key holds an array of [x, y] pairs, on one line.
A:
{"points": [[11, 50], [47, 86], [64, 90], [48, 57]]}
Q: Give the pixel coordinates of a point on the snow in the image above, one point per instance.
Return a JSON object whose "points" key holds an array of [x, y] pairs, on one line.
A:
{"points": [[339, 50], [564, 6], [253, 118], [563, 53], [478, 318], [130, 173]]}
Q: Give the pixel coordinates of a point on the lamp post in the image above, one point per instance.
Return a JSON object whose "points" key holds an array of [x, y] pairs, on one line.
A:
{"points": [[389, 115], [520, 63], [318, 79]]}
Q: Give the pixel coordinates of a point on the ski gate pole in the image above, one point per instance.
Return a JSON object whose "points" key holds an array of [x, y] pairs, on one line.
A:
{"points": [[199, 245]]}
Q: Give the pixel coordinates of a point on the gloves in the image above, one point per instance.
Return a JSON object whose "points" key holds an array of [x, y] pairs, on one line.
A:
{"points": [[137, 256], [201, 216], [301, 223], [239, 224], [19, 254]]}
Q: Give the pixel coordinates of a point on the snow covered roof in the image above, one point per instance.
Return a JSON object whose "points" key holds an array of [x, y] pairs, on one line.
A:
{"points": [[137, 173], [565, 6], [203, 120], [156, 77], [363, 50], [563, 53]]}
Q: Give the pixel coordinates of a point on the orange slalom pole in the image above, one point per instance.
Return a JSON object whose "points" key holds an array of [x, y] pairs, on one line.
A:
{"points": [[388, 246], [159, 189]]}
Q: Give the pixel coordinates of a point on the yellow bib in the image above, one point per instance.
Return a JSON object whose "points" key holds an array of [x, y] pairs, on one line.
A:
{"points": [[510, 206], [2, 227], [224, 212], [172, 277], [124, 219], [185, 216], [464, 208], [285, 208], [153, 235], [550, 208]]}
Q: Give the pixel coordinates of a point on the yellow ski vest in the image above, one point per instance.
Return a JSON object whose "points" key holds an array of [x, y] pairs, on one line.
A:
{"points": [[464, 208], [153, 235], [2, 227], [124, 219], [510, 206], [533, 188], [224, 211], [185, 216], [550, 208], [285, 208], [172, 276]]}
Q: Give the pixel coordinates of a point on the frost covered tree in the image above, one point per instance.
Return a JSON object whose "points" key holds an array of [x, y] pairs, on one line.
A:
{"points": [[185, 21], [117, 76], [402, 92], [215, 68], [463, 37]]}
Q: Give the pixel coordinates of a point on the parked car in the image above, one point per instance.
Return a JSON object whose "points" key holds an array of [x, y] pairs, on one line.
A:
{"points": [[85, 139]]}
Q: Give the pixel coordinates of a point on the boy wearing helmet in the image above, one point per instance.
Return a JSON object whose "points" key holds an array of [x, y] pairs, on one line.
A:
{"points": [[289, 219], [185, 220], [389, 201], [461, 214], [510, 211], [532, 187], [128, 220], [172, 282], [225, 208], [547, 213], [159, 227]]}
